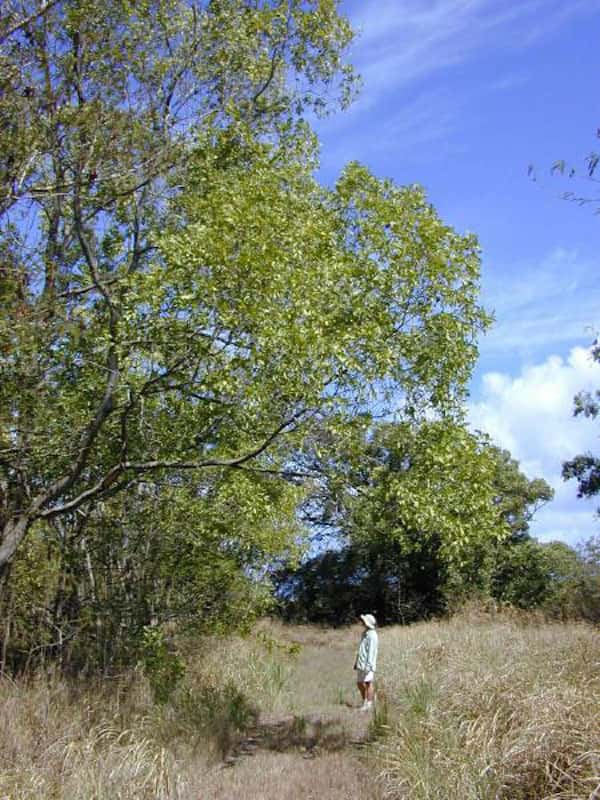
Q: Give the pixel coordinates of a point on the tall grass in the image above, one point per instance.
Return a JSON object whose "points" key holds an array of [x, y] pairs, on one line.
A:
{"points": [[482, 708], [475, 708], [111, 739], [56, 745]]}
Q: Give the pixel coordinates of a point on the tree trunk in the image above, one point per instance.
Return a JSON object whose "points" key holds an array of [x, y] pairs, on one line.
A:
{"points": [[13, 533]]}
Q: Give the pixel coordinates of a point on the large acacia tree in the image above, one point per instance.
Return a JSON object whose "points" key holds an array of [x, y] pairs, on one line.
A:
{"points": [[180, 293]]}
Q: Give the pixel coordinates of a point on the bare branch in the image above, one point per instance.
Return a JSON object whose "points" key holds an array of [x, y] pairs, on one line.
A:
{"points": [[22, 23]]}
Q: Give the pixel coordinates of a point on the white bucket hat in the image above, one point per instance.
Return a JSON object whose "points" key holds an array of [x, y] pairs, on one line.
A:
{"points": [[369, 620]]}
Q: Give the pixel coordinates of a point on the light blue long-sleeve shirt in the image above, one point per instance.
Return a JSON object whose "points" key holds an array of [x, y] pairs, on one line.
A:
{"points": [[366, 658]]}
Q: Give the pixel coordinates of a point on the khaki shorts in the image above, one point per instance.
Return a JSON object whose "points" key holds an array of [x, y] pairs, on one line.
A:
{"points": [[364, 677]]}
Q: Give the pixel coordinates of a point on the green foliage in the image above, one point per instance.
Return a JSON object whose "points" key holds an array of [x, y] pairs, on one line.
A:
{"points": [[517, 567], [574, 586], [192, 320], [29, 594], [405, 510], [266, 302], [434, 514], [101, 106], [163, 668], [585, 468], [429, 482], [520, 575], [85, 590], [517, 497], [562, 581], [395, 584]]}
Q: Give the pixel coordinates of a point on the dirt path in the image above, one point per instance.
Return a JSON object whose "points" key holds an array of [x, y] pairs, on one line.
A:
{"points": [[312, 743]]}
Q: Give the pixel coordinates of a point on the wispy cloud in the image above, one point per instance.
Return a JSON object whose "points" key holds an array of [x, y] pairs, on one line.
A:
{"points": [[430, 117], [538, 305], [403, 40]]}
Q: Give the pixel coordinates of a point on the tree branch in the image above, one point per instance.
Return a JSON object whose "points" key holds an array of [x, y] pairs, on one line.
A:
{"points": [[107, 403], [16, 26], [108, 482]]}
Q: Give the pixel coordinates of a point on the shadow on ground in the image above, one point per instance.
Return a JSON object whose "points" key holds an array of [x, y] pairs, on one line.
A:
{"points": [[309, 733]]}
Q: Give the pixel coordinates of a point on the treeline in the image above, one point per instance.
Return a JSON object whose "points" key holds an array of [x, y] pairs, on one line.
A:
{"points": [[411, 540], [404, 586], [198, 338], [390, 555]]}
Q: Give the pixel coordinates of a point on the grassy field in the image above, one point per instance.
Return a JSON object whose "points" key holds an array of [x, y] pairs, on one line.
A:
{"points": [[271, 716], [484, 708], [477, 707]]}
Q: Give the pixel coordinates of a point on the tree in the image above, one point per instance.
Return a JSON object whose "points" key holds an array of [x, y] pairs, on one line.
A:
{"points": [[519, 574], [86, 589], [416, 507], [585, 468], [573, 580], [100, 104], [517, 497], [458, 506], [266, 303], [428, 513], [433, 479], [591, 165], [190, 316], [395, 583], [517, 567]]}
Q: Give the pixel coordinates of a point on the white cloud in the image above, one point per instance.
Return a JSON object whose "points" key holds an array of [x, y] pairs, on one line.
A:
{"points": [[567, 518], [532, 416]]}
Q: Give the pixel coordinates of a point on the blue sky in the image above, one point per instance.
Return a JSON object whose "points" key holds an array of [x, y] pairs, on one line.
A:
{"points": [[462, 96]]}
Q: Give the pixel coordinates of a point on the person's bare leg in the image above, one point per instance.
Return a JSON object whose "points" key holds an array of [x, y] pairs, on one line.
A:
{"points": [[362, 688], [370, 691]]}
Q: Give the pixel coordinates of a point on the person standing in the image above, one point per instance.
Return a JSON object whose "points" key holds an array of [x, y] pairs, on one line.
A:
{"points": [[365, 663]]}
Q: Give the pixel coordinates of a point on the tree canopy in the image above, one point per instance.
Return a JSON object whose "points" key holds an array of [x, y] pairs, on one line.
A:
{"points": [[181, 293], [101, 104], [427, 514]]}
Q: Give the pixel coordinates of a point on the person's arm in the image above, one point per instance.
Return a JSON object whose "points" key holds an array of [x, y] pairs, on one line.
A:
{"points": [[372, 653]]}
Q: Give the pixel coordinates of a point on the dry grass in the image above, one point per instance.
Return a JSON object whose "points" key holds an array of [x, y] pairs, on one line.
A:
{"points": [[58, 744], [491, 709], [478, 708], [111, 742], [286, 776]]}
